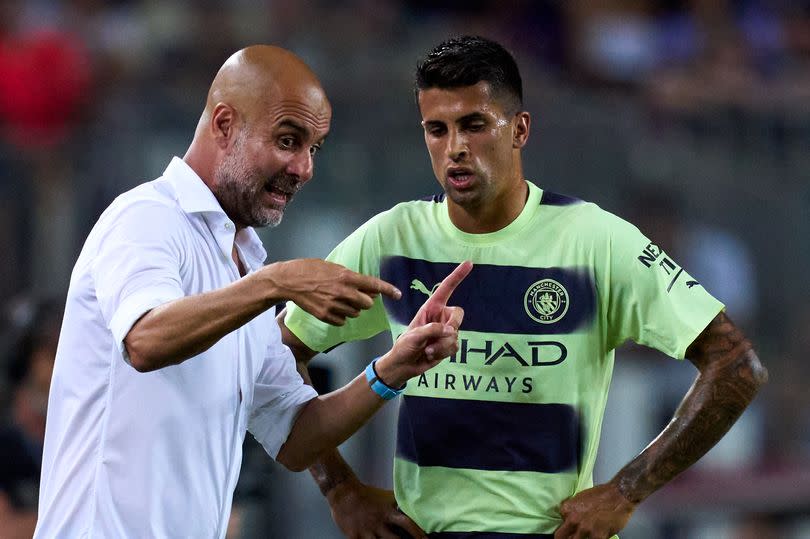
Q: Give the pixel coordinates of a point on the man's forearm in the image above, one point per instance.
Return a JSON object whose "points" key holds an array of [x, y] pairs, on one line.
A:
{"points": [[178, 330], [327, 421], [330, 469], [730, 377]]}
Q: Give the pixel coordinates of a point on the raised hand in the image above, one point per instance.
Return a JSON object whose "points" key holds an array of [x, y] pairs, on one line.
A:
{"points": [[435, 309], [431, 336], [327, 291]]}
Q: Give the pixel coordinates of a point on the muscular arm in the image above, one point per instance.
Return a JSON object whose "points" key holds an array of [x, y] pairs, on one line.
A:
{"points": [[729, 378]]}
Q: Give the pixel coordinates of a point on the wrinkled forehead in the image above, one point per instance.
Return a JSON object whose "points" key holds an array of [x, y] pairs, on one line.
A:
{"points": [[301, 103]]}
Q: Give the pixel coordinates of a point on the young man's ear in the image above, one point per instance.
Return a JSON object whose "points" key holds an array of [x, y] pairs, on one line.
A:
{"points": [[523, 121]]}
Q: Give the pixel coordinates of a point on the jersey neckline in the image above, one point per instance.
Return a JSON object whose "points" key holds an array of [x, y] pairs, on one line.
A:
{"points": [[526, 215]]}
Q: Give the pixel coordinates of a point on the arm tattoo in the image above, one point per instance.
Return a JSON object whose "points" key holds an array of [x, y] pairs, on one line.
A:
{"points": [[330, 470], [730, 376]]}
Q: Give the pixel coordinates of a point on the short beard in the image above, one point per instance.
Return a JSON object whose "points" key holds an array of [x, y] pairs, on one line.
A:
{"points": [[240, 188]]}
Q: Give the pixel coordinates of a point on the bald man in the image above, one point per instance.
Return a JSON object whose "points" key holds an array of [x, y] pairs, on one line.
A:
{"points": [[168, 352]]}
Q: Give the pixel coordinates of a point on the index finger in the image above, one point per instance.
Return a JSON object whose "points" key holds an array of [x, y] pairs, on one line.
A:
{"points": [[374, 285], [449, 284]]}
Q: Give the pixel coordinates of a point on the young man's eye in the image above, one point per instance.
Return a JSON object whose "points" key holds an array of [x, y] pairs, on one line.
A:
{"points": [[476, 127]]}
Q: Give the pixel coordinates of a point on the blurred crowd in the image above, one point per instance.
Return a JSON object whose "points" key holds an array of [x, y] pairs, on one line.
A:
{"points": [[691, 118]]}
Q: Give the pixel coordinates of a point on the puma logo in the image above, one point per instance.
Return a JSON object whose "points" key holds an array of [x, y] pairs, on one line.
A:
{"points": [[419, 286]]}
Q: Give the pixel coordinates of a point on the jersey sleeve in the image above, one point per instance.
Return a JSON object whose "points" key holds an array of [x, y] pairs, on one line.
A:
{"points": [[359, 252], [651, 299]]}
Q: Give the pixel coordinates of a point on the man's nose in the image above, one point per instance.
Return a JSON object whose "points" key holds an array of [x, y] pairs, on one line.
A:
{"points": [[457, 146], [301, 165]]}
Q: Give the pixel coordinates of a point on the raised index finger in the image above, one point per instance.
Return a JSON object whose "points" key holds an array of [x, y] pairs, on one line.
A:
{"points": [[442, 294]]}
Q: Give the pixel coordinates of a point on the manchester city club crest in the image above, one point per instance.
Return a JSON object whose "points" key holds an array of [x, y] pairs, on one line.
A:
{"points": [[546, 301]]}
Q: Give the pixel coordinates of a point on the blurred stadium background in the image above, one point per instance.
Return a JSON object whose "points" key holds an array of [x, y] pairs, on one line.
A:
{"points": [[690, 117]]}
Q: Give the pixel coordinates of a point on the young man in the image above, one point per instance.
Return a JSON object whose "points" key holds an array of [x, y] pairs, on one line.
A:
{"points": [[500, 441], [168, 352]]}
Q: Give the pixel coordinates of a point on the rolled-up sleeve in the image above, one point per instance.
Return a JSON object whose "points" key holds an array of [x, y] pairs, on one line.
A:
{"points": [[137, 266], [279, 395]]}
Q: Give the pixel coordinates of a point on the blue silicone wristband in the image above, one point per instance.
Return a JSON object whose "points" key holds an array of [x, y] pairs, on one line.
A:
{"points": [[378, 386]]}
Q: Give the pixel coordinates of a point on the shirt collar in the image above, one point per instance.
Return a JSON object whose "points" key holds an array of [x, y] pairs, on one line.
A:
{"points": [[194, 196]]}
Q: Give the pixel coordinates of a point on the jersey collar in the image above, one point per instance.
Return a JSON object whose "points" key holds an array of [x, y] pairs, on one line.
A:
{"points": [[521, 221]]}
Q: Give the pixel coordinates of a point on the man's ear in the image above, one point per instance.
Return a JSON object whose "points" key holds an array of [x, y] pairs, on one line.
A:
{"points": [[223, 123], [523, 122]]}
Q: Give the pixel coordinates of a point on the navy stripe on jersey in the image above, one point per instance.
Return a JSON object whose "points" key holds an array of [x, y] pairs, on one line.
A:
{"points": [[489, 535], [434, 198], [556, 199], [494, 298], [484, 435]]}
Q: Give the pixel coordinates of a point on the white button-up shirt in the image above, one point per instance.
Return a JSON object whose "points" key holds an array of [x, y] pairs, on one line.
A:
{"points": [[152, 455]]}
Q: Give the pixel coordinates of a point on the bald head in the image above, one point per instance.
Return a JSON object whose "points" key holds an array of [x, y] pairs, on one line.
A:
{"points": [[265, 117], [254, 78]]}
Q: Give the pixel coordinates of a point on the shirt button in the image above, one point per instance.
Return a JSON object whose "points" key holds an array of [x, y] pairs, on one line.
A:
{"points": [[228, 226]]}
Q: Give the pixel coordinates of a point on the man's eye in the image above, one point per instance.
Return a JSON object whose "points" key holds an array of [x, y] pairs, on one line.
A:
{"points": [[475, 127], [314, 149], [435, 131], [286, 142]]}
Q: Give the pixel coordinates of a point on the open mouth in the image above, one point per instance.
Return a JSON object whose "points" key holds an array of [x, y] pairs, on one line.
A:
{"points": [[460, 178], [277, 194]]}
